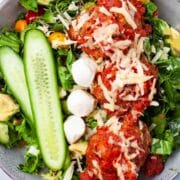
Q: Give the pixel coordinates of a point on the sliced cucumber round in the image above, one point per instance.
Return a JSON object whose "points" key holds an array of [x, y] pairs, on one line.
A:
{"points": [[43, 89]]}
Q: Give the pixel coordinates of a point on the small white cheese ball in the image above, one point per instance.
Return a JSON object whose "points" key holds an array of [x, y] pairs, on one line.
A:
{"points": [[80, 103], [74, 128], [84, 70]]}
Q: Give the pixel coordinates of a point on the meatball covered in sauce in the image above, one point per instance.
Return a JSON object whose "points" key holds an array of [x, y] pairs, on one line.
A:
{"points": [[117, 151]]}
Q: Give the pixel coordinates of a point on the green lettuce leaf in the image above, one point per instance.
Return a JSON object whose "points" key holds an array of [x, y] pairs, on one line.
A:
{"points": [[160, 124], [159, 26], [163, 146], [29, 4], [70, 59], [64, 69], [20, 131], [10, 39], [65, 78], [33, 161], [26, 133], [174, 124], [151, 8]]}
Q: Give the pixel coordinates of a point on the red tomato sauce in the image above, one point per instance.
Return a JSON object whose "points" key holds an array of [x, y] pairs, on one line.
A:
{"points": [[106, 153], [101, 154], [153, 165]]}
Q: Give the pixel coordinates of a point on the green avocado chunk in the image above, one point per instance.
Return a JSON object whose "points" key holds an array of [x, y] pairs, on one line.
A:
{"points": [[8, 107], [4, 136]]}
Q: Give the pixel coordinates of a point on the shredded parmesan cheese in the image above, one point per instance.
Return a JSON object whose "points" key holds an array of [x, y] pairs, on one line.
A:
{"points": [[73, 7], [97, 169], [83, 19], [125, 144], [103, 10], [153, 90], [105, 33], [124, 11], [131, 6], [106, 93], [63, 21]]}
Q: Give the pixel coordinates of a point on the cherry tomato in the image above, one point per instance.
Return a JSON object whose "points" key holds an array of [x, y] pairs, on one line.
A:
{"points": [[20, 25], [153, 165], [31, 15], [85, 176]]}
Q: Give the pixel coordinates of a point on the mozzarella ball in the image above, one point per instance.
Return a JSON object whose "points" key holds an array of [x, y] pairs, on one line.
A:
{"points": [[80, 103], [84, 71], [74, 128]]}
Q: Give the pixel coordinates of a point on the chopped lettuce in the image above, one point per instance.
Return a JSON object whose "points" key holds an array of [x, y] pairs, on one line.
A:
{"points": [[65, 78], [10, 39], [26, 133], [48, 17], [174, 124], [151, 8], [169, 73], [20, 133], [64, 69], [166, 117], [163, 146], [91, 122], [33, 161], [159, 26], [70, 59], [14, 137], [29, 4], [160, 123]]}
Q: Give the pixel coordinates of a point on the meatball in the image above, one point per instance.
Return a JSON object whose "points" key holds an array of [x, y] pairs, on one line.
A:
{"points": [[99, 19], [117, 151], [153, 165], [84, 35], [125, 106]]}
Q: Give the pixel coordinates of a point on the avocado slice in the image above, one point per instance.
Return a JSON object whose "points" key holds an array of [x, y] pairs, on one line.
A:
{"points": [[79, 147], [174, 41], [8, 107], [4, 133], [44, 2]]}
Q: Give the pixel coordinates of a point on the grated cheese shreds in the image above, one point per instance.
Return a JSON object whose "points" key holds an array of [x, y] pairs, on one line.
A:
{"points": [[80, 22], [107, 93], [103, 10], [131, 6], [125, 144], [97, 169], [124, 11], [105, 33], [63, 21]]}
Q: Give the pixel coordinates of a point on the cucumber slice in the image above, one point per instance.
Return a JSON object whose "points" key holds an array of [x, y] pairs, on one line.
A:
{"points": [[12, 69], [43, 89]]}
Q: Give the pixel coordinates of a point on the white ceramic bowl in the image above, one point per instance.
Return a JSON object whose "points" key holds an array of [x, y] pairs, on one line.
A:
{"points": [[10, 159]]}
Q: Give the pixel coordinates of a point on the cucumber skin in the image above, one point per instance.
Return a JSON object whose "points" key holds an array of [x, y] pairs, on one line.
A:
{"points": [[39, 35], [25, 106]]}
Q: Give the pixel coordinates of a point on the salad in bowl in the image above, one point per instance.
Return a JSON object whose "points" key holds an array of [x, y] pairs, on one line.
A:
{"points": [[90, 89]]}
